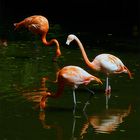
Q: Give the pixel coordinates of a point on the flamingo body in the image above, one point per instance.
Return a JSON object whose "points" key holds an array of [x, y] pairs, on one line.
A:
{"points": [[108, 64], [75, 76], [37, 24]]}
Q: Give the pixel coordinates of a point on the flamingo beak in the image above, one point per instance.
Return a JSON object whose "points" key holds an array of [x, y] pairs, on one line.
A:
{"points": [[98, 80], [15, 26], [67, 42]]}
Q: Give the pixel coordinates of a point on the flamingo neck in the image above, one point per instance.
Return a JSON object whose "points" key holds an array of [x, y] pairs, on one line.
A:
{"points": [[52, 41], [83, 53], [48, 94], [59, 91], [129, 73], [20, 24], [54, 95]]}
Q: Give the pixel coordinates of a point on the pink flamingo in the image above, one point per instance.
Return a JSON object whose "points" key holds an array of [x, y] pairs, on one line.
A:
{"points": [[106, 63], [72, 76], [39, 25]]}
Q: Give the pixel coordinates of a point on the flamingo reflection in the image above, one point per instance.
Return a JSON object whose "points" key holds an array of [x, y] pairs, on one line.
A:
{"points": [[35, 96], [59, 131], [105, 122]]}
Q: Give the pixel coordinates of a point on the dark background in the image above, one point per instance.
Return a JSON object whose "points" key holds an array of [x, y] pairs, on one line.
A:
{"points": [[106, 16]]}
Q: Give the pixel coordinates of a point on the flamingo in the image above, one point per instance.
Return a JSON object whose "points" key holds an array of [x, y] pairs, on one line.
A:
{"points": [[72, 76], [105, 63], [39, 24]]}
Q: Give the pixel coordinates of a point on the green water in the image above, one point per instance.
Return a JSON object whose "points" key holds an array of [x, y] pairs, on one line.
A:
{"points": [[21, 68]]}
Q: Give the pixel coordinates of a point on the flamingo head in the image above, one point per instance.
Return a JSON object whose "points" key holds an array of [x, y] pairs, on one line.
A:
{"points": [[97, 80], [15, 25], [70, 38]]}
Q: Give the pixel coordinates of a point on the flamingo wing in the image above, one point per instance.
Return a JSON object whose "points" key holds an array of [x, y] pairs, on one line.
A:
{"points": [[75, 75], [108, 63]]}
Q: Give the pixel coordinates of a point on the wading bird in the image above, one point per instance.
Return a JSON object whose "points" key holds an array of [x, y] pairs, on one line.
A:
{"points": [[38, 24], [72, 76], [106, 63]]}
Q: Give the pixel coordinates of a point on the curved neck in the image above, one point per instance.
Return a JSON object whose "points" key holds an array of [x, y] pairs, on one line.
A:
{"points": [[48, 94], [83, 52], [19, 24], [47, 43], [59, 91], [128, 71]]}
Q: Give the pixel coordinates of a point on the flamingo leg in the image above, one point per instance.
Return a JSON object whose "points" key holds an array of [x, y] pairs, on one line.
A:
{"points": [[108, 87], [87, 102], [73, 127], [92, 92], [74, 97], [107, 91], [74, 100], [107, 98], [106, 84]]}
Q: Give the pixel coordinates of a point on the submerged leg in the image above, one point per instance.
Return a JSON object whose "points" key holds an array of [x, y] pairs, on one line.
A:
{"points": [[74, 100], [107, 98], [92, 92], [74, 97], [107, 91], [87, 102]]}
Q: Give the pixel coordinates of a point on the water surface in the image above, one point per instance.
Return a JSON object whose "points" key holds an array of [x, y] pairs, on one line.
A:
{"points": [[22, 65]]}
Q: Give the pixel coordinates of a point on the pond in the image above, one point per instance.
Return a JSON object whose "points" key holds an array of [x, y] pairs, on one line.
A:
{"points": [[22, 66]]}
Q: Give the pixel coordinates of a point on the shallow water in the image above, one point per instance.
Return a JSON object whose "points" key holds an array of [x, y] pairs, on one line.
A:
{"points": [[21, 68]]}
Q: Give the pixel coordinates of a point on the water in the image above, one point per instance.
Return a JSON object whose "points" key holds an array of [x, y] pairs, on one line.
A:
{"points": [[21, 68]]}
